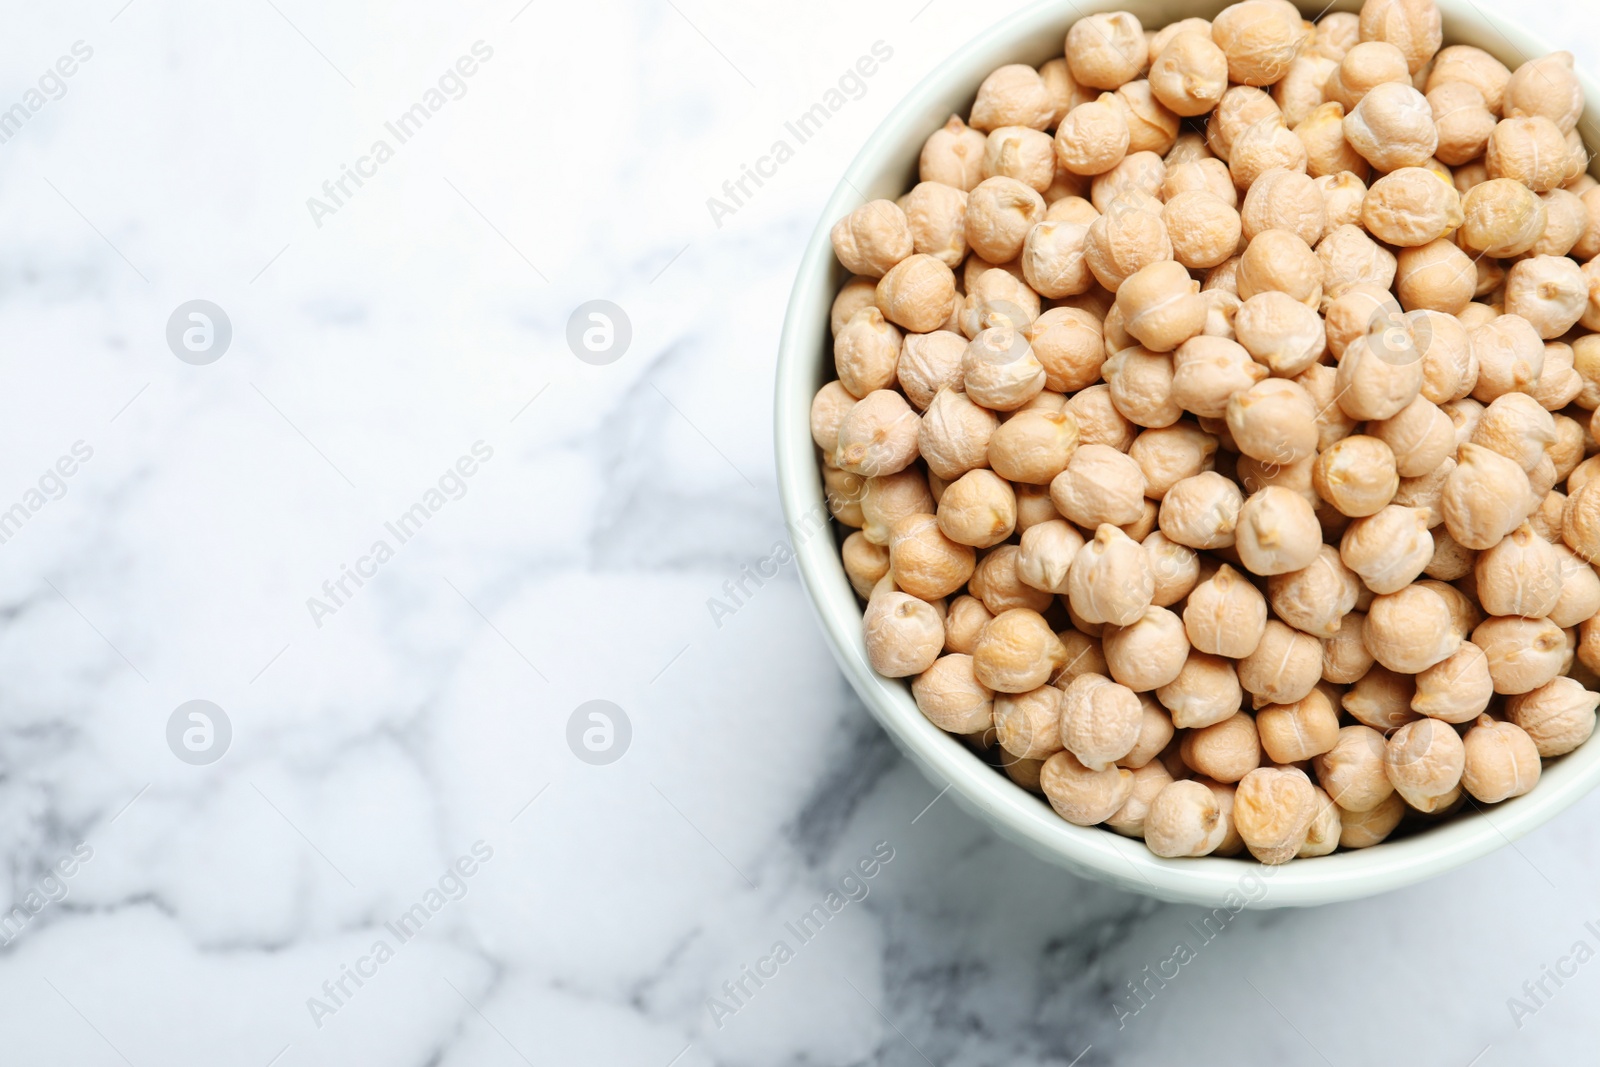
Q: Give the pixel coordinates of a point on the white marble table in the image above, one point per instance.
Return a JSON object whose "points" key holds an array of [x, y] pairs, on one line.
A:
{"points": [[398, 772]]}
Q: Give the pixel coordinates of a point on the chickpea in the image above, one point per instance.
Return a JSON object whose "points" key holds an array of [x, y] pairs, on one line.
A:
{"points": [[1350, 258], [1379, 375], [1053, 259], [1206, 175], [1456, 689], [1140, 383], [936, 214], [1013, 95], [872, 238], [1241, 107], [1357, 475], [1500, 762], [1414, 26], [1321, 382], [1548, 87], [1388, 549], [1344, 655], [1226, 751], [1437, 276], [1046, 554], [865, 352], [1016, 651], [1260, 39], [865, 563], [1523, 654], [995, 582], [1151, 127], [1558, 716], [1410, 630], [1502, 218], [1284, 667], [1392, 127], [978, 509], [964, 620], [1424, 761], [1100, 720], [1529, 149], [918, 294], [1099, 485], [1546, 521], [1522, 575], [1343, 195], [953, 155], [1381, 699], [1208, 371], [1277, 532], [928, 363], [857, 293], [1000, 371], [887, 499], [1411, 206], [1367, 828], [1201, 511], [1474, 66], [1551, 292], [1301, 90], [1082, 796], [1169, 454], [1175, 569], [1065, 92], [1278, 260], [1579, 598], [1224, 278], [1510, 356], [1023, 153], [1225, 615], [903, 634], [1000, 212], [925, 562], [828, 409], [1184, 819], [1281, 333], [1273, 420], [1099, 421], [1328, 153], [1205, 691], [1109, 580], [1162, 306], [1580, 521], [1203, 229], [1106, 50], [953, 434], [1093, 137], [1352, 770], [1559, 383], [1362, 310], [1123, 241], [877, 436], [1450, 559], [1463, 118], [843, 490], [1028, 725], [1420, 437], [1129, 820], [951, 696], [1264, 146], [1273, 810], [1190, 74], [1084, 656], [1149, 652]]}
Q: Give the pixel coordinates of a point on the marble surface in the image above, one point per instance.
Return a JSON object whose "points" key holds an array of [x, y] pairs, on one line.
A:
{"points": [[399, 772]]}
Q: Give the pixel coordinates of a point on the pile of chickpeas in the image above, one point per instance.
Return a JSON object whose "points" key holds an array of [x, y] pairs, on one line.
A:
{"points": [[1211, 425]]}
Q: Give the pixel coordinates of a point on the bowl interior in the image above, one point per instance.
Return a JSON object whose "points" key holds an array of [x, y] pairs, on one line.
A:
{"points": [[885, 168]]}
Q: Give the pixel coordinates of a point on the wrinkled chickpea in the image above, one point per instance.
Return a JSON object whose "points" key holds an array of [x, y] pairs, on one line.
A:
{"points": [[903, 634], [1273, 809], [1411, 206], [1424, 761], [951, 696], [1437, 276], [918, 293], [1109, 580], [1000, 212], [1080, 795], [1523, 654], [1357, 475], [1225, 615], [1285, 666], [953, 434], [1350, 258], [1204, 230], [1277, 532], [1260, 39], [1274, 421], [1529, 149], [1318, 597], [1551, 292], [887, 499], [1190, 73], [1393, 127], [1208, 371], [978, 509]]}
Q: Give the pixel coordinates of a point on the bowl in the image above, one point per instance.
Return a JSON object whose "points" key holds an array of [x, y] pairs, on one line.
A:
{"points": [[887, 167]]}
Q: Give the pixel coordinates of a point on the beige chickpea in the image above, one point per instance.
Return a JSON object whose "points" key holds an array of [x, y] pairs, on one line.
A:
{"points": [[1000, 371], [1016, 651], [1483, 499], [1163, 37], [1241, 107], [1510, 356], [1151, 126], [1579, 598], [1284, 200], [1523, 654], [964, 620], [1053, 259], [1109, 580], [1028, 724], [1410, 630], [995, 581], [1184, 819], [1581, 475], [1392, 127], [1169, 454], [1082, 796], [1363, 829], [1099, 421], [1337, 33], [936, 214], [1362, 310], [1065, 92], [1328, 153], [903, 634], [1529, 149], [1033, 446], [1147, 653], [1420, 437], [953, 434], [1225, 751], [1280, 333], [1273, 809], [1189, 147], [1456, 689], [1224, 277], [1502, 218], [978, 509], [865, 563], [843, 490], [1463, 119], [1266, 145], [1140, 384], [1100, 720], [1301, 90], [877, 436], [1559, 383], [1367, 65], [1225, 615], [1318, 597], [1277, 532], [857, 293], [1500, 761], [1558, 716], [1413, 26], [1381, 699], [1000, 212], [1162, 306], [1424, 760], [1208, 371], [1046, 554], [828, 409], [1274, 421], [1013, 95], [1285, 666], [866, 351], [1343, 195], [1474, 66], [1149, 780], [1201, 511], [1580, 520], [1357, 475], [1352, 770], [887, 499], [1449, 368], [1298, 730], [996, 297], [1190, 74], [1437, 276], [1023, 153], [1280, 261], [1388, 549], [928, 363], [1344, 655], [1203, 229], [1207, 175], [1083, 657], [1068, 343], [1099, 485], [1549, 87], [1411, 206], [1123, 241], [951, 696], [953, 155], [925, 562], [1568, 219], [1546, 521], [872, 238], [918, 293], [1175, 568], [1205, 691], [1093, 137], [1106, 50], [1522, 575], [1551, 292], [1350, 258], [1260, 39], [1379, 374]]}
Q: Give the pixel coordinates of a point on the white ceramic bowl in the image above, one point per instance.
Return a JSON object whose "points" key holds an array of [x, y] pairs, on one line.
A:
{"points": [[887, 167]]}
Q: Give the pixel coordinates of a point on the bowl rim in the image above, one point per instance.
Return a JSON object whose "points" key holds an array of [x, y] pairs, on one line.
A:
{"points": [[880, 169]]}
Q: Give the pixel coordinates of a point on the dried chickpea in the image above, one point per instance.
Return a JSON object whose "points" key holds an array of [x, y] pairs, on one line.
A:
{"points": [[918, 293], [1225, 615], [1099, 421], [877, 436], [1580, 520], [1274, 420], [887, 499], [963, 621], [1265, 146], [1207, 175], [1099, 485], [1301, 90], [1529, 149], [1579, 598], [1350, 258], [1082, 796], [1000, 212], [1140, 383], [1474, 66], [1437, 276], [1357, 475], [1558, 716], [1456, 689], [1367, 65], [865, 563], [1463, 118], [1184, 819], [1277, 532], [953, 434], [872, 238], [1284, 667], [999, 369], [1381, 699], [1124, 240], [1205, 691], [1388, 549], [1100, 720], [953, 155], [978, 509], [1106, 50], [1420, 437], [1510, 356], [1546, 86], [1392, 127], [1208, 371], [1273, 809], [1241, 107], [1424, 760], [1411, 206], [1328, 154], [1551, 292], [1500, 762], [1065, 92], [925, 562], [1028, 725], [843, 490], [1083, 657], [1013, 95], [936, 214], [1502, 218], [1226, 751], [1046, 554], [951, 696], [1278, 260], [1016, 651], [1352, 770], [1147, 653], [1363, 829], [828, 409], [1260, 39], [1344, 654], [1203, 229], [1093, 137], [865, 352], [1281, 333], [1559, 383], [1023, 153], [995, 582], [903, 634], [857, 293], [1522, 575], [1379, 374], [1410, 630], [929, 362], [1162, 306], [1053, 259], [1523, 654], [1190, 74], [1149, 780], [1151, 127], [1169, 454], [1174, 568], [1546, 522], [1413, 26], [1109, 580]]}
